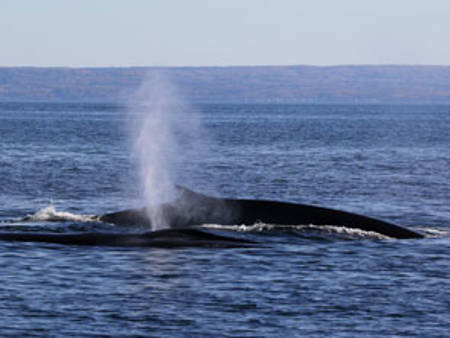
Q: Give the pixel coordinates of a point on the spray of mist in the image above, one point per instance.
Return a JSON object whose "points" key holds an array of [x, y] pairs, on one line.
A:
{"points": [[165, 131]]}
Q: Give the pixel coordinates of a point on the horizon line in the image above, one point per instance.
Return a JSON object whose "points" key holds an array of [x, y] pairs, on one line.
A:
{"points": [[241, 66]]}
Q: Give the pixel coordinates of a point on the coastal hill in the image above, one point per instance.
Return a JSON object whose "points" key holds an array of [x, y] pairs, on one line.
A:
{"points": [[258, 84]]}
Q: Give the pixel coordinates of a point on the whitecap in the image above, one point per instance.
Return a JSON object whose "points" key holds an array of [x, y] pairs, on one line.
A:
{"points": [[50, 214], [433, 232], [258, 227]]}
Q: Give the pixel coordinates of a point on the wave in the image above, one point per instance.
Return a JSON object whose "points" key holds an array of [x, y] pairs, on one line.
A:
{"points": [[433, 232], [331, 229], [50, 214]]}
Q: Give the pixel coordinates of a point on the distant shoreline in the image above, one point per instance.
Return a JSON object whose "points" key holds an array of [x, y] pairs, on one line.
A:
{"points": [[348, 84]]}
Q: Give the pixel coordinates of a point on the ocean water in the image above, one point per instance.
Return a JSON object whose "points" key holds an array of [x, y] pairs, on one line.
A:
{"points": [[61, 163]]}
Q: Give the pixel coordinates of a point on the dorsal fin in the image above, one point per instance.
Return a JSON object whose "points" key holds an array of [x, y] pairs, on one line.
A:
{"points": [[188, 194]]}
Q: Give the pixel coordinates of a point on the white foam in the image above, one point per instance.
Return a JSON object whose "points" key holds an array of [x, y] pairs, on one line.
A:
{"points": [[50, 214], [257, 227], [433, 232], [243, 228], [350, 231]]}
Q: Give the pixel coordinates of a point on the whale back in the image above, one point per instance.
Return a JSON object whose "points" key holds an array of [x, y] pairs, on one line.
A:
{"points": [[192, 208]]}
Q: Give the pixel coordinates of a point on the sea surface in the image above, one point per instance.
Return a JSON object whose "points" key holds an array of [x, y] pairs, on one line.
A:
{"points": [[61, 163]]}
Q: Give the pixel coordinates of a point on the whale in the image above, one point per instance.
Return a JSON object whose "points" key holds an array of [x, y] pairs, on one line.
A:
{"points": [[166, 238], [193, 209], [190, 210]]}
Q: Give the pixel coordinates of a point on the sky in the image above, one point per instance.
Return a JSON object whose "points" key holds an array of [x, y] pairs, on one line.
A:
{"points": [[105, 33]]}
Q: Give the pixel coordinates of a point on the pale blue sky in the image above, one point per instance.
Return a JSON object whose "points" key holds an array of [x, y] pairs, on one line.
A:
{"points": [[221, 33]]}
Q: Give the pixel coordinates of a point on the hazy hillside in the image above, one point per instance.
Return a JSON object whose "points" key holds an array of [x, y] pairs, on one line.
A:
{"points": [[284, 84]]}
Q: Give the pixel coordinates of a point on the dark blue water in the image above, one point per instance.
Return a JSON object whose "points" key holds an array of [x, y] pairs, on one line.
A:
{"points": [[66, 161]]}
